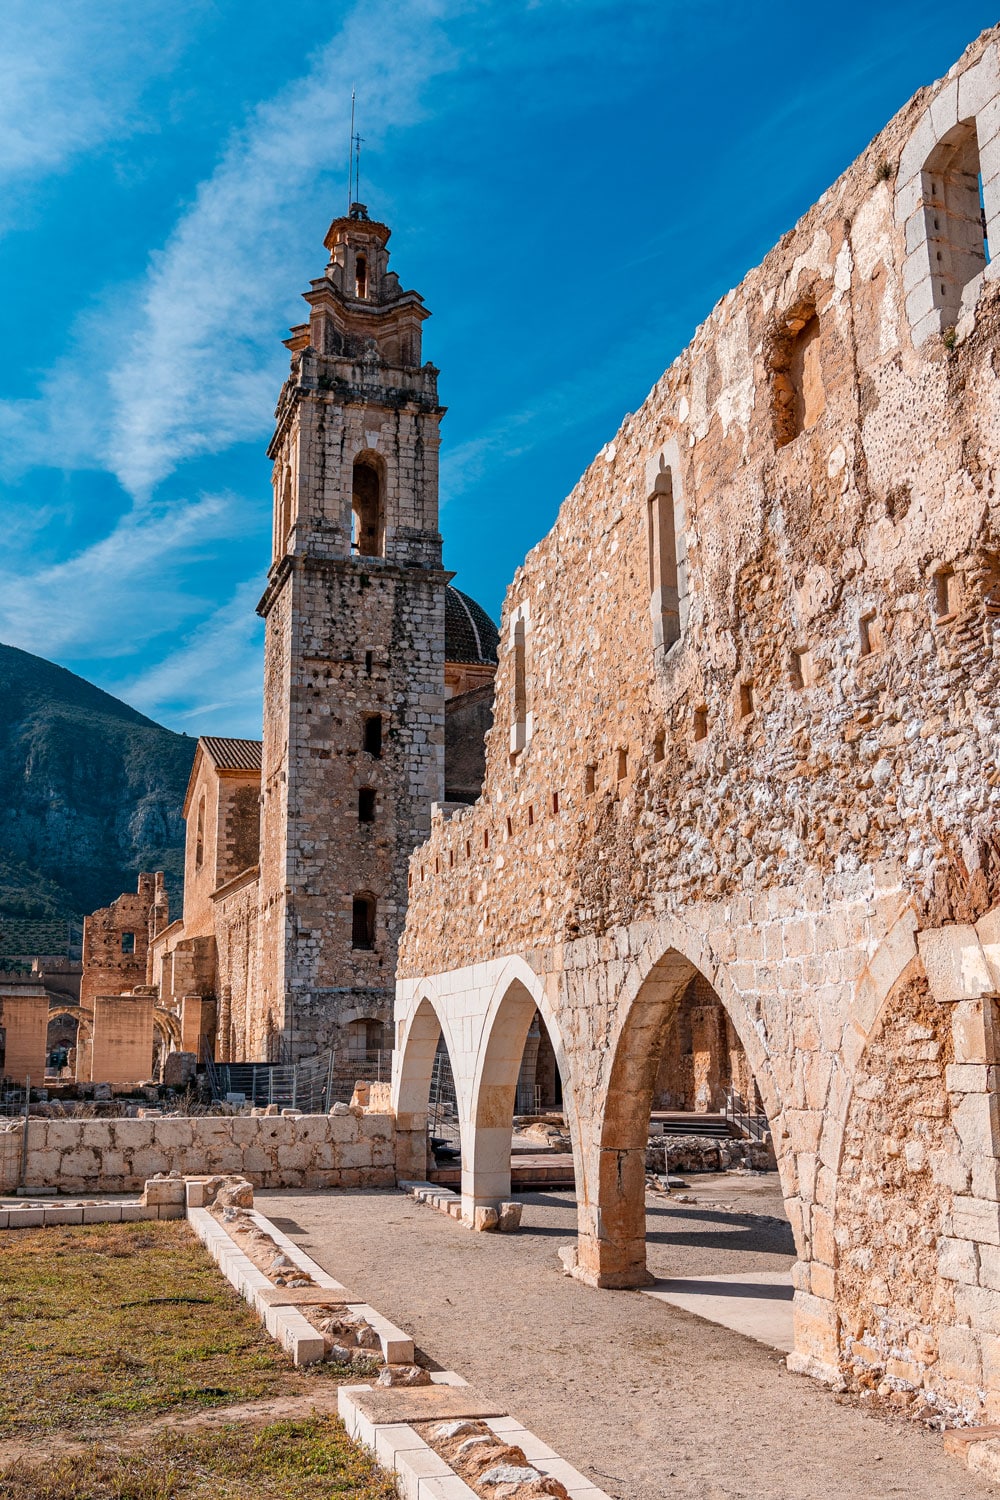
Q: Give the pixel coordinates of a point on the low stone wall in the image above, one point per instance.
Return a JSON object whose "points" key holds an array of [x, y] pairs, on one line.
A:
{"points": [[117, 1156]]}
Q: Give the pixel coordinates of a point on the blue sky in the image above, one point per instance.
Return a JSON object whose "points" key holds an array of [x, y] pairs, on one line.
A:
{"points": [[572, 184]]}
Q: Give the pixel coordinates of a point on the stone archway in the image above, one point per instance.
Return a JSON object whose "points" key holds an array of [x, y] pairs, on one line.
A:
{"points": [[413, 1068], [517, 996], [611, 1249]]}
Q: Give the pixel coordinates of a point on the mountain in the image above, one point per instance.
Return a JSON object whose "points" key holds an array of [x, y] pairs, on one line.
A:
{"points": [[90, 793]]}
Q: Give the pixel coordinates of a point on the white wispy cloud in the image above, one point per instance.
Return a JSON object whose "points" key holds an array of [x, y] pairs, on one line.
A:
{"points": [[211, 683], [72, 75], [200, 366], [117, 594]]}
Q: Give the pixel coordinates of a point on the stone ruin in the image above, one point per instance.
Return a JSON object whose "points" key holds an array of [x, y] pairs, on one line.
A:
{"points": [[746, 735]]}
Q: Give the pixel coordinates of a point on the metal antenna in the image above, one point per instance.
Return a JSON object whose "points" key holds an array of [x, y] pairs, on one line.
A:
{"points": [[350, 160]]}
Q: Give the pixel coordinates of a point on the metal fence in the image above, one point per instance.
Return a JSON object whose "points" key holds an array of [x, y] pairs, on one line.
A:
{"points": [[314, 1085]]}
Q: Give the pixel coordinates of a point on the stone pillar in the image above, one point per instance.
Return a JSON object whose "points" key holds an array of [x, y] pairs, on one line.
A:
{"points": [[961, 966], [123, 1039], [25, 1019], [412, 1151]]}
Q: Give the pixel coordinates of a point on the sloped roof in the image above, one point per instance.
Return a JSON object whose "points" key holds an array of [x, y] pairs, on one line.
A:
{"points": [[233, 755]]}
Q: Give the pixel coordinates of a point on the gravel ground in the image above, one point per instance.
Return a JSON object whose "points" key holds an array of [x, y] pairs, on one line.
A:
{"points": [[650, 1401]]}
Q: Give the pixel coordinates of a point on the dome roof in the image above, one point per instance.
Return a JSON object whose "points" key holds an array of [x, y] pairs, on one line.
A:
{"points": [[469, 633]]}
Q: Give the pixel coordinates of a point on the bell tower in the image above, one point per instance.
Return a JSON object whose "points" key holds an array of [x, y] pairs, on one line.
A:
{"points": [[353, 751]]}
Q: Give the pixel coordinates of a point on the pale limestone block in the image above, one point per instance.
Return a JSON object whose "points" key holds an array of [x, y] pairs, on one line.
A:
{"points": [[976, 1118], [988, 932], [920, 302], [989, 1266], [976, 1219], [978, 85], [958, 1261], [969, 1078], [944, 110], [955, 964], [958, 1355]]}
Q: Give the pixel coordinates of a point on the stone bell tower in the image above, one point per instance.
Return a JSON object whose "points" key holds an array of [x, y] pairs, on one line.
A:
{"points": [[353, 752]]}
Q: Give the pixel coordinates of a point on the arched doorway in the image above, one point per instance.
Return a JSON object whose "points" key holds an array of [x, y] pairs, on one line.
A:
{"points": [[611, 1249], [426, 1099], [518, 1031]]}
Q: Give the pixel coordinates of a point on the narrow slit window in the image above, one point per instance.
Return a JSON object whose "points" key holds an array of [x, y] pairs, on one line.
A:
{"points": [[659, 745], [519, 688], [668, 587], [199, 840], [746, 699], [797, 390], [945, 593], [361, 277], [373, 735], [622, 765], [802, 671], [870, 633], [589, 780], [555, 804], [366, 804], [701, 723], [369, 662], [128, 943], [363, 922]]}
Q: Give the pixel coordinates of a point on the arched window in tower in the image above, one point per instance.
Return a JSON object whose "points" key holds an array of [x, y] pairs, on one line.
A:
{"points": [[199, 841], [363, 921], [361, 277], [367, 522], [668, 586]]}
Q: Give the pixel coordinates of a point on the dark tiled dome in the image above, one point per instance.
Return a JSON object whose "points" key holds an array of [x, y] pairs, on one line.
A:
{"points": [[469, 633]]}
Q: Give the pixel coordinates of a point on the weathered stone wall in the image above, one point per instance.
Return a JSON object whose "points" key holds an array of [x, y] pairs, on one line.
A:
{"points": [[900, 1169], [117, 1156], [115, 940], [746, 726], [237, 931]]}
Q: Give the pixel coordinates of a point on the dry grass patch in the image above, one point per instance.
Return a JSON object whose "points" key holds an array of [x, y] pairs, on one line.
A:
{"points": [[109, 1324], [309, 1460]]}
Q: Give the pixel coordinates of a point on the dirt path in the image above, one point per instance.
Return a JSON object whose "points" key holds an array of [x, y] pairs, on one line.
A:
{"points": [[649, 1400]]}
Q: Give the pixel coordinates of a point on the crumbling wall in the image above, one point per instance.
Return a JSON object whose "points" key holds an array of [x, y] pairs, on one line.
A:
{"points": [[748, 708], [898, 1176], [115, 941]]}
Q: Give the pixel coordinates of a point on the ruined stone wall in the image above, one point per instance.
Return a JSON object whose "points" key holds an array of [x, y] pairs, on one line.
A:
{"points": [[777, 737], [115, 941], [747, 709], [117, 1156]]}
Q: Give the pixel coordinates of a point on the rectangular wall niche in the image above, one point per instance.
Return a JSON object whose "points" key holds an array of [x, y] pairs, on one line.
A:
{"points": [[668, 570]]}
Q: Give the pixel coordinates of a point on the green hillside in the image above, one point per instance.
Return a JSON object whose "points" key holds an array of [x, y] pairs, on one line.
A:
{"points": [[90, 793]]}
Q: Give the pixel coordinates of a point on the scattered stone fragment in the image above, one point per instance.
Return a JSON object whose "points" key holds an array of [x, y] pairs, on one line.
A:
{"points": [[510, 1474], [403, 1375]]}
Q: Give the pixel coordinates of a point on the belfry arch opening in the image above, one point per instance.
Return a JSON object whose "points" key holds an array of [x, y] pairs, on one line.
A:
{"points": [[367, 507]]}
